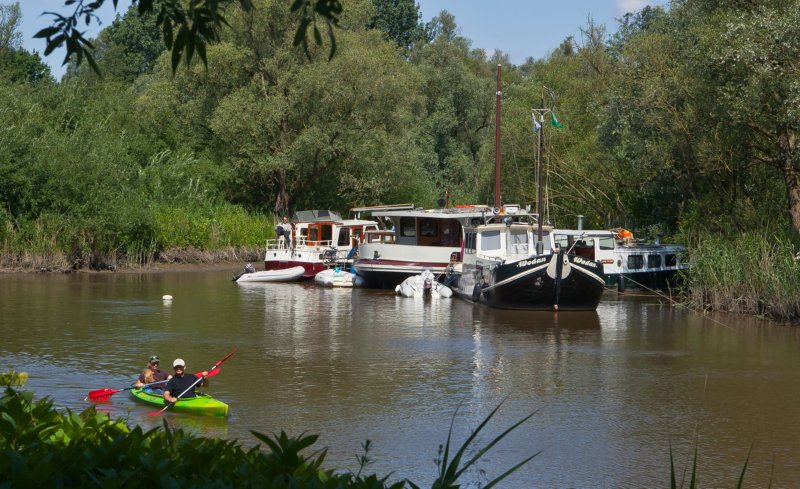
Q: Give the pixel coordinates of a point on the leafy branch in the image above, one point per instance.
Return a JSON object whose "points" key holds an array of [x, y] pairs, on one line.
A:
{"points": [[187, 27]]}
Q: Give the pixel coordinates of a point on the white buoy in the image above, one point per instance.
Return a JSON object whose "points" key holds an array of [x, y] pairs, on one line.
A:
{"points": [[167, 297]]}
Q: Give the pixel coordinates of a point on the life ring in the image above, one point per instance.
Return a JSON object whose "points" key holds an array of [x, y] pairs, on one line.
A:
{"points": [[623, 233]]}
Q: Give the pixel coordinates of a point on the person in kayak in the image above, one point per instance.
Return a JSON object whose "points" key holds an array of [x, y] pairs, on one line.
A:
{"points": [[153, 374], [181, 382]]}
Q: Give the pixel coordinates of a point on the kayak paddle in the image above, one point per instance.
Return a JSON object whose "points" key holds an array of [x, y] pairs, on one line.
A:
{"points": [[103, 394], [167, 405]]}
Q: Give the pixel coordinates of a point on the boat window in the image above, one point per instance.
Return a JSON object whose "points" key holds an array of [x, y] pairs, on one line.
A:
{"points": [[519, 241], [607, 243], [490, 240], [344, 237], [469, 242], [653, 261], [671, 260], [428, 227], [408, 227], [561, 241], [451, 232], [635, 262], [326, 232]]}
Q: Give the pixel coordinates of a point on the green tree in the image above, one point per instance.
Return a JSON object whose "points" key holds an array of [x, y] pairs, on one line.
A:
{"points": [[460, 106], [400, 20], [17, 64]]}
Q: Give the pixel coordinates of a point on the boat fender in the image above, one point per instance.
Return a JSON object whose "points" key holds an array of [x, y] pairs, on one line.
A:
{"points": [[476, 293], [445, 292]]}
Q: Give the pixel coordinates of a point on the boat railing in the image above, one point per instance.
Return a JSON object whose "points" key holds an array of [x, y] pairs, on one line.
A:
{"points": [[300, 243]]}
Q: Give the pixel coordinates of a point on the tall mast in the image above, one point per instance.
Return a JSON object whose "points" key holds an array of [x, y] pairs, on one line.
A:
{"points": [[497, 199], [539, 116]]}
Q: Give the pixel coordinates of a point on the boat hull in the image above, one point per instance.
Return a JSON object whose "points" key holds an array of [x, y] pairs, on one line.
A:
{"points": [[281, 275], [202, 404], [558, 282]]}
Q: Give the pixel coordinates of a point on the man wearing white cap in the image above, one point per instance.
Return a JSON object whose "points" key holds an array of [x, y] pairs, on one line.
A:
{"points": [[182, 385]]}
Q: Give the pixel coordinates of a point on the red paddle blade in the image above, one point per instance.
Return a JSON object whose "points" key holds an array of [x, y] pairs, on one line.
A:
{"points": [[102, 394]]}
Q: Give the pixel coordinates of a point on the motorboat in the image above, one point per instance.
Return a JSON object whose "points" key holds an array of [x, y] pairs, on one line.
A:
{"points": [[415, 240], [317, 240], [626, 261]]}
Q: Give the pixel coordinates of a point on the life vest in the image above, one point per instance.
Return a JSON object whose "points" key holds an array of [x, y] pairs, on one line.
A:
{"points": [[623, 233]]}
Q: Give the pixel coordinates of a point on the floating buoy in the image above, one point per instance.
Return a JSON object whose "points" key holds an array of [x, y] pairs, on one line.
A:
{"points": [[167, 297]]}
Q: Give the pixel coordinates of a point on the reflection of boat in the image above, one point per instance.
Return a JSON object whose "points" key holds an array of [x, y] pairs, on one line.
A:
{"points": [[336, 277], [509, 261], [423, 285], [201, 404], [280, 275], [625, 260], [318, 239]]}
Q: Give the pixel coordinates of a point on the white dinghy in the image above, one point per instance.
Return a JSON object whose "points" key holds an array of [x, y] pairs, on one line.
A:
{"points": [[279, 275], [336, 277], [422, 285]]}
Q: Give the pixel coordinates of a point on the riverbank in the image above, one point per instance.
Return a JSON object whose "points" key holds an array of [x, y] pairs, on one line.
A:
{"points": [[174, 259]]}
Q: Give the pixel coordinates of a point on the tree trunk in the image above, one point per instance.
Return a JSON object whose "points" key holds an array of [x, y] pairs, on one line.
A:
{"points": [[282, 198], [788, 142]]}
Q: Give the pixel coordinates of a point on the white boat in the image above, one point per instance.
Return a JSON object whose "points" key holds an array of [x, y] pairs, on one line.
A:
{"points": [[318, 240], [626, 261], [423, 285], [422, 239], [282, 275], [336, 277]]}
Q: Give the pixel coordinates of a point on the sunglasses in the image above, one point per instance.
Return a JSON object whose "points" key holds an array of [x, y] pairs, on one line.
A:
{"points": [[179, 367]]}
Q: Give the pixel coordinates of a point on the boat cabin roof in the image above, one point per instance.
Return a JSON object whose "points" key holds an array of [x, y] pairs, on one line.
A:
{"points": [[460, 212], [602, 233], [333, 217], [316, 215]]}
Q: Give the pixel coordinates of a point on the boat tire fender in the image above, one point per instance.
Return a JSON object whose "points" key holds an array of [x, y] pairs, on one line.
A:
{"points": [[476, 293]]}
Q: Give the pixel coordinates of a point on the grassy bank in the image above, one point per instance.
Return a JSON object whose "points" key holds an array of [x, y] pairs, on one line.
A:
{"points": [[221, 233], [752, 273]]}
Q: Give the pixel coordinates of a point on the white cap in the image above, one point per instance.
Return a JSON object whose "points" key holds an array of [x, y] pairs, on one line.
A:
{"points": [[178, 361]]}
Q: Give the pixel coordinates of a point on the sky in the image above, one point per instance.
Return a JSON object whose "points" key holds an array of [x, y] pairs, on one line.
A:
{"points": [[520, 28]]}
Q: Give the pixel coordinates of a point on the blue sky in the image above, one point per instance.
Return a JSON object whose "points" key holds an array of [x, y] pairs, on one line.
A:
{"points": [[521, 28]]}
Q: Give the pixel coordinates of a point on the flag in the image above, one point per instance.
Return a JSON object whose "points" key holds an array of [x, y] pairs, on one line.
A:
{"points": [[554, 122], [536, 125]]}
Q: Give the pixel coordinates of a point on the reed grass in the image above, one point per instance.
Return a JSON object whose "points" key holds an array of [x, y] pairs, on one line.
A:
{"points": [[752, 273]]}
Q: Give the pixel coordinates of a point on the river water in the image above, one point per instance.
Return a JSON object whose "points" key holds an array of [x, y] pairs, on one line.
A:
{"points": [[611, 390]]}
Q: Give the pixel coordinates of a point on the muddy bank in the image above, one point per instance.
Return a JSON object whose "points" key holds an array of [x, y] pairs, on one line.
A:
{"points": [[170, 260]]}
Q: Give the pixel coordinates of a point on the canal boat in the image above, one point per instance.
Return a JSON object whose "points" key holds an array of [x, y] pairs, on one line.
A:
{"points": [[507, 265], [626, 261], [249, 275], [202, 404], [510, 261], [415, 240], [319, 239]]}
